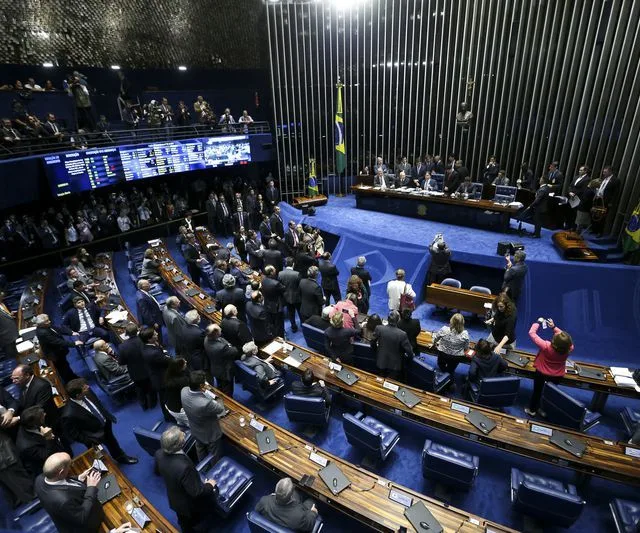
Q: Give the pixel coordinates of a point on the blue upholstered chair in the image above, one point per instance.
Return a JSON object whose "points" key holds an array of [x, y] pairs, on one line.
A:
{"points": [[149, 439], [33, 518], [448, 465], [451, 282], [631, 419], [500, 391], [563, 410], [626, 515], [232, 479], [546, 499], [113, 388], [249, 380], [480, 289], [314, 337], [261, 524], [427, 376], [363, 356], [306, 409], [370, 434]]}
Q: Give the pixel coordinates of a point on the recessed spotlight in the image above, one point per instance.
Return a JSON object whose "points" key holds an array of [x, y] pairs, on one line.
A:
{"points": [[115, 67], [47, 64], [182, 67]]}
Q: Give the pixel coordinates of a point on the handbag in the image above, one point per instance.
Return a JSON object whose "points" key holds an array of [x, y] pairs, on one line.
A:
{"points": [[598, 212], [406, 301]]}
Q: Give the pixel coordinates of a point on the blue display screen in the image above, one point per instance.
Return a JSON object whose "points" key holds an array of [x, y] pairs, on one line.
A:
{"points": [[72, 172]]}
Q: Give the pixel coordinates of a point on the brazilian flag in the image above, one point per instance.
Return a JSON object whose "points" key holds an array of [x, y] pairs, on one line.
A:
{"points": [[632, 233], [313, 183], [341, 153]]}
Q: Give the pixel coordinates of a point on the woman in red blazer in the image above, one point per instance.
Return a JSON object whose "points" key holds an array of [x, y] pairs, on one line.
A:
{"points": [[550, 361]]}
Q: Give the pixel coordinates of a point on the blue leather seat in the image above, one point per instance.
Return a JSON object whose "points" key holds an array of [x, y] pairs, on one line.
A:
{"points": [[500, 391], [562, 409], [306, 409], [546, 499], [33, 518], [249, 380], [427, 376], [451, 282], [370, 434], [261, 524], [149, 439], [314, 337], [232, 479], [111, 387], [631, 419], [626, 515], [364, 357], [480, 289], [448, 465]]}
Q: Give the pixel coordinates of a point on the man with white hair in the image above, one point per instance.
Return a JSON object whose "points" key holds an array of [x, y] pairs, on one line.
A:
{"points": [[105, 359], [360, 271], [231, 295], [189, 496], [192, 340], [267, 373], [286, 508], [174, 321], [55, 347]]}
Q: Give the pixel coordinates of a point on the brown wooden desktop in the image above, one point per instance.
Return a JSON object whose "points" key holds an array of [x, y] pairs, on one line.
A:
{"points": [[603, 458], [460, 299]]}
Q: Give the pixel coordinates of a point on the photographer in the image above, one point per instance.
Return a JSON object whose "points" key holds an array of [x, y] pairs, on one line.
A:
{"points": [[80, 92], [440, 267]]}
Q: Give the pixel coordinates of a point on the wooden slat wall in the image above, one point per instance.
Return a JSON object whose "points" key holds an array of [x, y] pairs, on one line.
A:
{"points": [[546, 80]]}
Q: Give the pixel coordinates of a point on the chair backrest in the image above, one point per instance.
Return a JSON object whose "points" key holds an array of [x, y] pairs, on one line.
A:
{"points": [[314, 337], [148, 440], [261, 524], [307, 409], [480, 289], [424, 374], [247, 376], [363, 356], [561, 408], [360, 434], [500, 391], [451, 282]]}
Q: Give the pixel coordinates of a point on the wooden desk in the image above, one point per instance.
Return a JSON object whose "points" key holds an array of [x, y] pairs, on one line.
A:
{"points": [[115, 513], [473, 213], [573, 247], [300, 202], [367, 501], [462, 299], [511, 434], [601, 389]]}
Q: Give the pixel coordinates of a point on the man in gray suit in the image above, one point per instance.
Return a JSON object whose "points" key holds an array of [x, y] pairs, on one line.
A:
{"points": [[390, 344], [287, 508], [105, 359], [174, 320], [267, 373], [202, 409]]}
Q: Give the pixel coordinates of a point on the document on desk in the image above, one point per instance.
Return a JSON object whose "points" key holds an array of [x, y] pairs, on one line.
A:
{"points": [[292, 361], [615, 370], [626, 382], [272, 348], [116, 316]]}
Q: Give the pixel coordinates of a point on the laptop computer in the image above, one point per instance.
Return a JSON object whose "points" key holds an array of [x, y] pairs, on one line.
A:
{"points": [[266, 441], [569, 443], [590, 373], [516, 359], [334, 478], [422, 519], [299, 355], [484, 424], [347, 376], [28, 359], [177, 279], [407, 397], [192, 292], [108, 488], [210, 309]]}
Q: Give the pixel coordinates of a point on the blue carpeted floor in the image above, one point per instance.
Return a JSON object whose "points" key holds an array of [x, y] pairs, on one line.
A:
{"points": [[389, 242]]}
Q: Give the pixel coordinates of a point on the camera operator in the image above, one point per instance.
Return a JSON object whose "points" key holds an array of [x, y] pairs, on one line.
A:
{"points": [[440, 253], [78, 89]]}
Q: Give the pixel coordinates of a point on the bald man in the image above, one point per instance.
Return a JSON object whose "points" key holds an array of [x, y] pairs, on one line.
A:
{"points": [[72, 503], [106, 360]]}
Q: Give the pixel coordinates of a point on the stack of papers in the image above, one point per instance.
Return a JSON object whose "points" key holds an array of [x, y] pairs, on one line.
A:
{"points": [[624, 377], [272, 348], [24, 347], [621, 371], [116, 316]]}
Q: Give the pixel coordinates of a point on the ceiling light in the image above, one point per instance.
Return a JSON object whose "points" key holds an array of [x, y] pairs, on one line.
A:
{"points": [[115, 67], [47, 64], [182, 67]]}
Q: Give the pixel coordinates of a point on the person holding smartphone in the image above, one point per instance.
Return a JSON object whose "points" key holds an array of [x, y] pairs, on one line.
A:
{"points": [[550, 360]]}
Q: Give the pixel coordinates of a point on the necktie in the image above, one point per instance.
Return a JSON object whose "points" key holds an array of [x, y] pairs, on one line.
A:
{"points": [[241, 219], [224, 209], [87, 319], [94, 411]]}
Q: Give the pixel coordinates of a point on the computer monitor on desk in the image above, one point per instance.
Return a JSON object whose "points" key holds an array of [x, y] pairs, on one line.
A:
{"points": [[505, 194]]}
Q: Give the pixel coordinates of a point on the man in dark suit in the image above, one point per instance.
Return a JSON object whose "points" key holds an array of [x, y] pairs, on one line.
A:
{"points": [[391, 345], [606, 194], [174, 322], [148, 309], [192, 340], [311, 297], [439, 267], [231, 295], [36, 441], [405, 167], [555, 178], [156, 363], [576, 190], [272, 196], [286, 508], [273, 292], [240, 243], [55, 347], [223, 215], [85, 321], [8, 330], [455, 178], [86, 420], [130, 354], [291, 281], [235, 269], [234, 330], [272, 256], [277, 224], [193, 259], [515, 274], [307, 386], [190, 498], [254, 251], [330, 273], [360, 271], [540, 206], [221, 355], [305, 259], [212, 208], [72, 503], [292, 239], [218, 274], [240, 219], [35, 391], [266, 231], [78, 290], [261, 327]]}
